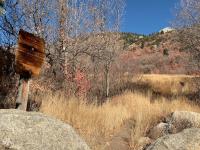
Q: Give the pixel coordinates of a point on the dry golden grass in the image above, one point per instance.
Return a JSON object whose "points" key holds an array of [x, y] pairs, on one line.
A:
{"points": [[97, 124], [170, 84], [94, 123]]}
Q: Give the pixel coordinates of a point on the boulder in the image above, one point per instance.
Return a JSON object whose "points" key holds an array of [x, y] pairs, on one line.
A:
{"points": [[183, 120], [21, 130], [160, 130], [188, 139]]}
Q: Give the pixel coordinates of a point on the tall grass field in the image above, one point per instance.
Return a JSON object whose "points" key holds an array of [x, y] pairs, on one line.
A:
{"points": [[98, 124]]}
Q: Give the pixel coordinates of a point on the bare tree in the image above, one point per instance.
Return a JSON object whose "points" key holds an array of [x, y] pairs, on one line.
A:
{"points": [[187, 13], [108, 23], [9, 23], [188, 24], [72, 29]]}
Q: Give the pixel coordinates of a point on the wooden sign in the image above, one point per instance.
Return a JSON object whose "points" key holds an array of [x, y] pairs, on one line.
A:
{"points": [[30, 54]]}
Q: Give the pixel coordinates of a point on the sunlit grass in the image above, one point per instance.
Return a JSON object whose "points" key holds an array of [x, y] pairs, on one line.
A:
{"points": [[170, 84], [99, 123]]}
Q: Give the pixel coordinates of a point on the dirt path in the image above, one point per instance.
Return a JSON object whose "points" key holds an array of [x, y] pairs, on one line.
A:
{"points": [[121, 141]]}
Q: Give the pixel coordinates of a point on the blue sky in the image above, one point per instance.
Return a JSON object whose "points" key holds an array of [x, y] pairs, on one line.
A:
{"points": [[147, 16]]}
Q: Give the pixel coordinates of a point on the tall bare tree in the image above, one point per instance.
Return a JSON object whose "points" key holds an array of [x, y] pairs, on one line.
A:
{"points": [[72, 29], [108, 23], [10, 22], [188, 23]]}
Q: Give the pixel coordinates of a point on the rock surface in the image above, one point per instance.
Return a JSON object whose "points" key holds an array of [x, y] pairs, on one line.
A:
{"points": [[176, 122], [21, 130], [188, 139], [183, 120], [160, 130]]}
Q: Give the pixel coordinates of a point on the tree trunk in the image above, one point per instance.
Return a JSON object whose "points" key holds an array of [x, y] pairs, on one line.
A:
{"points": [[107, 81]]}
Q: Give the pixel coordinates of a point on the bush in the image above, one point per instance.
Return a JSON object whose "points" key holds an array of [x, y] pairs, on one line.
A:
{"points": [[142, 45], [166, 52], [162, 32]]}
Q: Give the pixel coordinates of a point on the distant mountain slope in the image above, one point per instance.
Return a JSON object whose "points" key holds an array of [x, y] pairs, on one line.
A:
{"points": [[156, 53], [130, 38]]}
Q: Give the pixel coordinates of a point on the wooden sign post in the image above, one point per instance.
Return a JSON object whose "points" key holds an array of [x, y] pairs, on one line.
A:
{"points": [[30, 56]]}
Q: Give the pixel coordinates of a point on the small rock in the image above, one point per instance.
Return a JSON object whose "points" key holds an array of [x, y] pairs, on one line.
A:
{"points": [[160, 130]]}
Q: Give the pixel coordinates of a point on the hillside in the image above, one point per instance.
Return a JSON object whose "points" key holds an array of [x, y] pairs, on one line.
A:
{"points": [[130, 38], [156, 53]]}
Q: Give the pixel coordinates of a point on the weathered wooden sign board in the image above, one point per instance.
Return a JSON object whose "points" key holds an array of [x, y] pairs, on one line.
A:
{"points": [[30, 54], [29, 58]]}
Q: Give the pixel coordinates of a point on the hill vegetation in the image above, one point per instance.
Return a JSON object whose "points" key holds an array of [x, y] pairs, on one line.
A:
{"points": [[130, 38]]}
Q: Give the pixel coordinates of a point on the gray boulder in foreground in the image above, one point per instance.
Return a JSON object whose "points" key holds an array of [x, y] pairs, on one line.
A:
{"points": [[21, 130], [188, 139]]}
